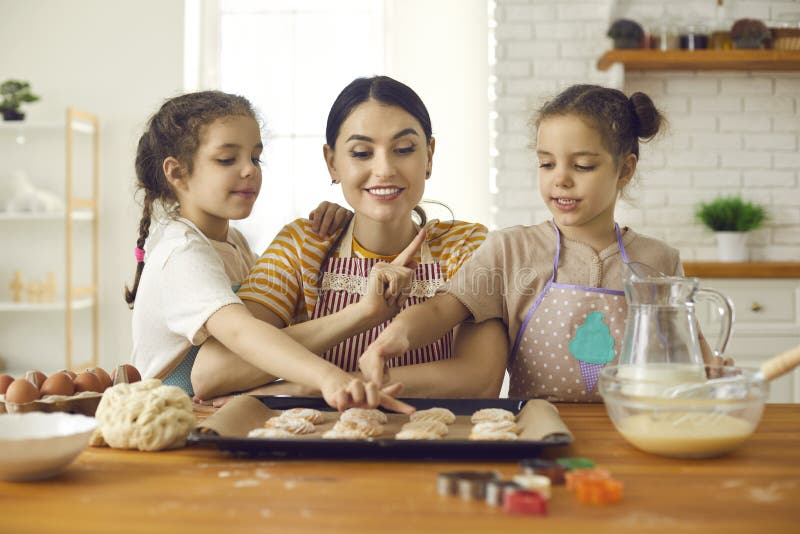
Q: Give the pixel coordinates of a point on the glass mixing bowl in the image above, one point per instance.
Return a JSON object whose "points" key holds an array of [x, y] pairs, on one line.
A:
{"points": [[709, 421]]}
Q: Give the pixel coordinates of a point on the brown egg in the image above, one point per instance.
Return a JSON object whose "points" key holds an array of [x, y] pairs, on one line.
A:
{"points": [[21, 391], [102, 375], [36, 378], [71, 374], [125, 374], [87, 381], [5, 381], [58, 384]]}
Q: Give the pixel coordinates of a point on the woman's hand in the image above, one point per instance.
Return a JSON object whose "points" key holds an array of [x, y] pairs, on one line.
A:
{"points": [[328, 218], [389, 284]]}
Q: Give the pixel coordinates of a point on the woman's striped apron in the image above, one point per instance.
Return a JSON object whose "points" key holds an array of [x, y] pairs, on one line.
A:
{"points": [[344, 281]]}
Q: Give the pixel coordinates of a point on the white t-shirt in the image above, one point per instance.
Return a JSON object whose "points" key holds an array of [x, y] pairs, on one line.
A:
{"points": [[187, 277]]}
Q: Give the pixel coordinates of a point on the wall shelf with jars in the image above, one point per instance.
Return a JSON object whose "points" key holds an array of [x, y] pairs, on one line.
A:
{"points": [[729, 60]]}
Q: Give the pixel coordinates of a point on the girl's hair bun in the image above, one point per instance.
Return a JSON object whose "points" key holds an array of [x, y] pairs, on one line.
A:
{"points": [[646, 117]]}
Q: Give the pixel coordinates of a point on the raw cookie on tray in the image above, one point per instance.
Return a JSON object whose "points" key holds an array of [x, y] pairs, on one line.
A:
{"points": [[363, 414], [363, 428], [434, 414], [493, 414], [295, 425], [489, 427], [494, 430], [416, 433], [309, 414], [270, 432]]}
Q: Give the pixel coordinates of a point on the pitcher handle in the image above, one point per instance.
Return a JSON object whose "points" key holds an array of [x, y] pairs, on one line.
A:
{"points": [[725, 309]]}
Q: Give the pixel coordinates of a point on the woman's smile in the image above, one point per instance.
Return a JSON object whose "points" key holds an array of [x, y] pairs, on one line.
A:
{"points": [[384, 192]]}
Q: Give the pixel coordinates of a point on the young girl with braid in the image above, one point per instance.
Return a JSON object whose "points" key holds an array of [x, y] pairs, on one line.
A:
{"points": [[198, 166]]}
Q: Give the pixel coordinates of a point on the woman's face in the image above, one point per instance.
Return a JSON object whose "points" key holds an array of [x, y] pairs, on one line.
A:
{"points": [[381, 160]]}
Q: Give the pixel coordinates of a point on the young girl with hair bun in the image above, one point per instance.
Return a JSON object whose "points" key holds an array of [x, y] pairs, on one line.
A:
{"points": [[557, 286], [199, 168]]}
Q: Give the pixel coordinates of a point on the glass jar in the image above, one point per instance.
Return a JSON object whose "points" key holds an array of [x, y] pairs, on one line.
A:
{"points": [[664, 37], [721, 40], [694, 37]]}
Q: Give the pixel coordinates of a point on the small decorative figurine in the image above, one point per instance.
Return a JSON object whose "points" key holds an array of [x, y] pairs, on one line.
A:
{"points": [[17, 285]]}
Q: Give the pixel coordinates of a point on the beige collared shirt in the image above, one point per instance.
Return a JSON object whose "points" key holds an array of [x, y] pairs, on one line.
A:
{"points": [[505, 275]]}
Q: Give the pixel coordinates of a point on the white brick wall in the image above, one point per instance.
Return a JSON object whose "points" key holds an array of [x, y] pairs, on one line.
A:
{"points": [[730, 132]]}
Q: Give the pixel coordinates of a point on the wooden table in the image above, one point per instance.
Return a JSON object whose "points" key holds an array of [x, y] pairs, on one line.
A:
{"points": [[755, 489]]}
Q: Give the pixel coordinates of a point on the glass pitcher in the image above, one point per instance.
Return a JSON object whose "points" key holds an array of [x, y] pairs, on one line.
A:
{"points": [[661, 345]]}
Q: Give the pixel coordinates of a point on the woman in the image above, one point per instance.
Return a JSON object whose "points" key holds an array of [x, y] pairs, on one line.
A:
{"points": [[379, 148]]}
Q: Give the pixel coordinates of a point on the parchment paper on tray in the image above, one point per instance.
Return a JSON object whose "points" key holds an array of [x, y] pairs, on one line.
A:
{"points": [[538, 419]]}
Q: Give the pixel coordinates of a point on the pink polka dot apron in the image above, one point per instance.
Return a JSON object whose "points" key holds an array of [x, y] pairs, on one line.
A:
{"points": [[344, 281], [569, 334]]}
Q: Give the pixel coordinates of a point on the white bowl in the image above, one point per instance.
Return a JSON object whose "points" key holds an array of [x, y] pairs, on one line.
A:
{"points": [[38, 445]]}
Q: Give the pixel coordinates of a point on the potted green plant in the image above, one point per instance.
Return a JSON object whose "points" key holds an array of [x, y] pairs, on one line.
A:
{"points": [[731, 218], [749, 34], [626, 34], [14, 93]]}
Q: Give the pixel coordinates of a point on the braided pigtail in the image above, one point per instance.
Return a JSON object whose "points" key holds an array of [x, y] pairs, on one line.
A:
{"points": [[144, 231]]}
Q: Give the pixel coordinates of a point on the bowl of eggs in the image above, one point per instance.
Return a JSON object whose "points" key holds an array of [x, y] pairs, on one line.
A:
{"points": [[37, 445], [62, 391]]}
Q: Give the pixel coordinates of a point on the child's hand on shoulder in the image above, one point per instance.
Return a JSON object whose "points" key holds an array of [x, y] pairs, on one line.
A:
{"points": [[328, 218]]}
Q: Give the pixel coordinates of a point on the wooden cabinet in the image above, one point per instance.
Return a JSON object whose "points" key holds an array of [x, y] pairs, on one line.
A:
{"points": [[767, 322], [59, 160]]}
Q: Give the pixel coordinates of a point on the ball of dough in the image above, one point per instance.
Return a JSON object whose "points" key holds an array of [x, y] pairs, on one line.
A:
{"points": [[144, 415]]}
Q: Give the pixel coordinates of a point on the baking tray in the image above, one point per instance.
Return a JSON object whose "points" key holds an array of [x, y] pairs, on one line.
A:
{"points": [[385, 447]]}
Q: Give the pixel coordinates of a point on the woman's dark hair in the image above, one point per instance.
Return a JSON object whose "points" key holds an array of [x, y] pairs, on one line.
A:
{"points": [[383, 89], [621, 121], [174, 130]]}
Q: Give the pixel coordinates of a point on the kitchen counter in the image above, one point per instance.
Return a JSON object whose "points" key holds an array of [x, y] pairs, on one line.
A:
{"points": [[754, 489], [770, 269]]}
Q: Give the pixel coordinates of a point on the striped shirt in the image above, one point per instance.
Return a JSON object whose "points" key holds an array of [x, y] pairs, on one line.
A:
{"points": [[287, 276]]}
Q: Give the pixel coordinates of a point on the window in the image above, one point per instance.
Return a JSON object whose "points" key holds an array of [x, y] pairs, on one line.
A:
{"points": [[291, 58]]}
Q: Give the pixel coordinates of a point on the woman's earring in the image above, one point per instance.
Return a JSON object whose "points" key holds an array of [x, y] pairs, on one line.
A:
{"points": [[333, 182], [427, 174]]}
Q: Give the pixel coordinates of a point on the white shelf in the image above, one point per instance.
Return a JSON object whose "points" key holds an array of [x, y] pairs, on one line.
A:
{"points": [[78, 132], [78, 215], [21, 126], [16, 126], [77, 304]]}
